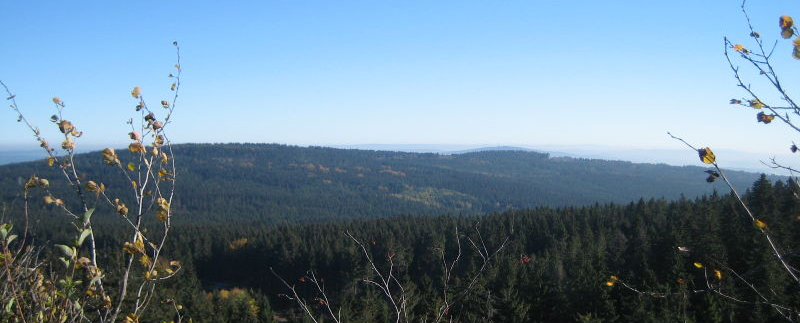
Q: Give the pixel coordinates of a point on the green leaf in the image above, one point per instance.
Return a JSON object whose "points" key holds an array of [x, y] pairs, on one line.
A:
{"points": [[68, 251], [64, 261], [95, 279], [9, 305], [88, 215], [84, 233]]}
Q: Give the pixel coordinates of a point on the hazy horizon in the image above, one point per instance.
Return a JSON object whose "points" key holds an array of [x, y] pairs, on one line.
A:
{"points": [[731, 159]]}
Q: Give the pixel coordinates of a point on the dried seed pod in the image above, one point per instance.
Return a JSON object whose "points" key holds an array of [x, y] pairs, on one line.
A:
{"points": [[110, 157], [65, 126], [136, 147], [91, 186], [68, 144]]}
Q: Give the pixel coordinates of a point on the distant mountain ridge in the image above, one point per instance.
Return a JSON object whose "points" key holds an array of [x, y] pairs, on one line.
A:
{"points": [[270, 182]]}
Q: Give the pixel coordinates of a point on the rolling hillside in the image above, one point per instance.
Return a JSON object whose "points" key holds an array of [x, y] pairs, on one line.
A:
{"points": [[270, 182]]}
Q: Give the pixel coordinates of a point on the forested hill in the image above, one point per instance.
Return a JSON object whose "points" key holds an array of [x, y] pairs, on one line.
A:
{"points": [[270, 182]]}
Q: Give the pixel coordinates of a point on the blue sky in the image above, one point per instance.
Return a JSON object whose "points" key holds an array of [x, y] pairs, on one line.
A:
{"points": [[613, 73]]}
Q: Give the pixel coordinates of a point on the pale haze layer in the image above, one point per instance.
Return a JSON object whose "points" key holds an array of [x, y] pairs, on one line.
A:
{"points": [[519, 73]]}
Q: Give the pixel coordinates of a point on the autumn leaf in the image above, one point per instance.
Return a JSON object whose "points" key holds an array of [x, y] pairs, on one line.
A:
{"points": [[65, 126], [739, 48], [760, 224], [136, 92], [57, 100], [50, 161], [787, 33], [91, 186], [136, 147], [756, 104], [765, 118], [110, 157], [698, 265], [706, 155], [717, 274], [785, 22], [158, 141], [122, 209], [131, 166]]}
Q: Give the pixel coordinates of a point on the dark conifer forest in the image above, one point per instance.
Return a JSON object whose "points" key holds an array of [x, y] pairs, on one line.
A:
{"points": [[247, 216]]}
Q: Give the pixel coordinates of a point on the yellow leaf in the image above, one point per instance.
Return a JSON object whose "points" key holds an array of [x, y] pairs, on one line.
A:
{"points": [[145, 261], [609, 283], [740, 48], [129, 248], [718, 274], [785, 22], [760, 224], [756, 104], [706, 155], [131, 166], [134, 184], [698, 265], [138, 242], [161, 216], [50, 161]]}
